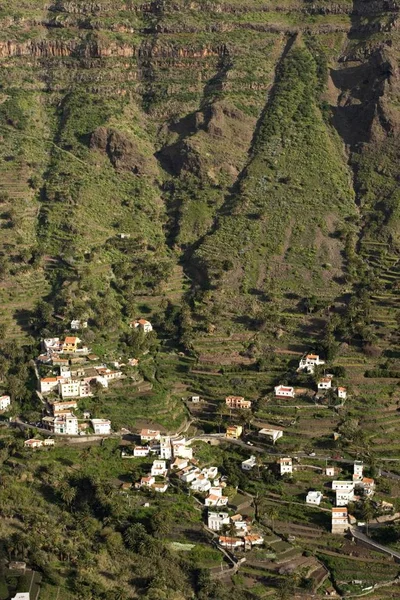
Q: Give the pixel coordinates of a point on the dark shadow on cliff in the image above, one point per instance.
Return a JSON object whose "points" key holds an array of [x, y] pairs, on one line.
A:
{"points": [[233, 197], [179, 155], [361, 75]]}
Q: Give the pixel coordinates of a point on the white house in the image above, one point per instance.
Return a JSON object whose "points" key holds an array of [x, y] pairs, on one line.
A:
{"points": [[314, 498], [343, 497], [325, 383], [65, 371], [342, 485], [78, 324], [5, 402], [64, 424], [272, 434], [195, 399], [104, 375], [248, 464], [367, 485], [253, 539], [210, 472], [52, 345], [200, 484], [283, 391], [342, 393], [216, 520], [340, 521], [159, 468], [165, 447], [344, 492], [309, 362], [149, 435], [286, 466], [160, 487], [180, 449], [140, 451], [179, 463], [61, 407], [143, 324], [74, 388], [358, 470], [48, 442], [215, 497], [101, 426], [67, 425], [330, 471], [189, 474], [239, 523], [215, 500], [33, 443], [21, 596], [230, 542], [49, 384], [147, 482]]}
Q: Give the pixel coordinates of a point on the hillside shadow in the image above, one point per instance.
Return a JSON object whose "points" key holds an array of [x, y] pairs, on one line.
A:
{"points": [[22, 317], [233, 194], [364, 22], [174, 157], [360, 83]]}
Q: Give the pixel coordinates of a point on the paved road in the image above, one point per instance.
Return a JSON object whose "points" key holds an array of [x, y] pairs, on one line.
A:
{"points": [[271, 450], [364, 538], [390, 475]]}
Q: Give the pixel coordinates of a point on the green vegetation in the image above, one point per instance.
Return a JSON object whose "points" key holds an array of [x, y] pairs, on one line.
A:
{"points": [[228, 171]]}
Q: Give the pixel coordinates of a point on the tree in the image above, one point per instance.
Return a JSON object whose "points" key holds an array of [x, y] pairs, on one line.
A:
{"points": [[285, 589], [232, 533], [310, 304], [368, 512], [42, 315], [245, 417], [219, 421], [134, 536], [68, 494], [259, 464], [271, 513], [162, 522], [16, 387]]}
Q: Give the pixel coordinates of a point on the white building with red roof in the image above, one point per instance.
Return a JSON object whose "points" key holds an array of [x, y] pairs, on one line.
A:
{"points": [[284, 391], [340, 520], [150, 435], [143, 324], [309, 362]]}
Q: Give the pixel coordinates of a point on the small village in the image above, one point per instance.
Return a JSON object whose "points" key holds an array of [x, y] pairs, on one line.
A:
{"points": [[68, 373]]}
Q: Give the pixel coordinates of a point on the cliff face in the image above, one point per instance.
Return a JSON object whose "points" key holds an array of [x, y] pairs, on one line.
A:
{"points": [[175, 122]]}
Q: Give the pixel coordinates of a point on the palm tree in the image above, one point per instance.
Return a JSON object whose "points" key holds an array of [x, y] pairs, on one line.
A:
{"points": [[271, 513], [218, 421], [259, 464], [68, 494], [232, 532], [368, 512], [245, 417]]}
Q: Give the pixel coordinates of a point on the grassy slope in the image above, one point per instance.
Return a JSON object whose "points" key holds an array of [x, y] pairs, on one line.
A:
{"points": [[293, 195], [203, 101]]}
